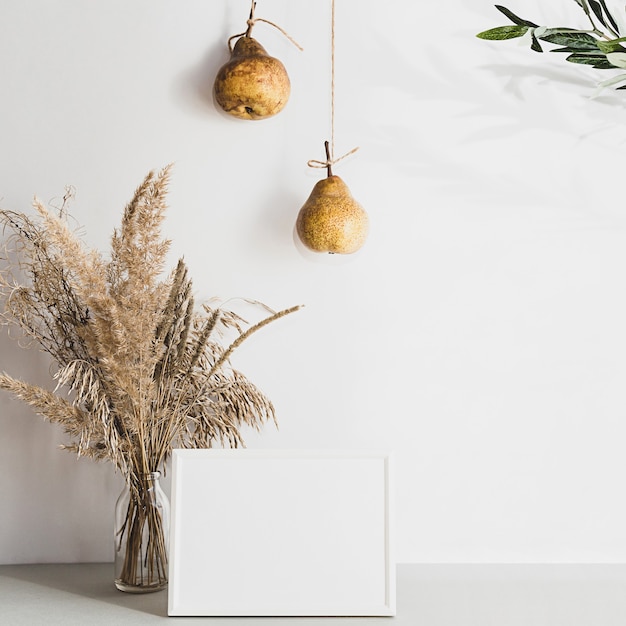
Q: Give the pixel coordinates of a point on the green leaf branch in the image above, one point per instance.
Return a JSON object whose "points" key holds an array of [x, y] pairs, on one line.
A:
{"points": [[599, 46]]}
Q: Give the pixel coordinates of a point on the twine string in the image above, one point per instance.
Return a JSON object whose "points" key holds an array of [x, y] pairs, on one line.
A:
{"points": [[332, 80], [330, 151], [251, 21], [331, 161]]}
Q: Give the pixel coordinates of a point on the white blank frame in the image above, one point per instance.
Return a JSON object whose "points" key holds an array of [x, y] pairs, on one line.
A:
{"points": [[281, 533]]}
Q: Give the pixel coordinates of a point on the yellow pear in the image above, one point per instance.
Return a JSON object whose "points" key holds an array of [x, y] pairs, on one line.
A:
{"points": [[252, 85], [331, 220]]}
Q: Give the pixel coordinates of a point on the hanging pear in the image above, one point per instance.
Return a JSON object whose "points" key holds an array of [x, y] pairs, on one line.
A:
{"points": [[331, 220], [252, 85]]}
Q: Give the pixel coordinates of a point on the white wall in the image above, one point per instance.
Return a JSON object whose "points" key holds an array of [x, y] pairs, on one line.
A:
{"points": [[480, 334]]}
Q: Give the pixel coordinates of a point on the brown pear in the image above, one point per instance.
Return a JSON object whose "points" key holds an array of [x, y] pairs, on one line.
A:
{"points": [[331, 220], [252, 85]]}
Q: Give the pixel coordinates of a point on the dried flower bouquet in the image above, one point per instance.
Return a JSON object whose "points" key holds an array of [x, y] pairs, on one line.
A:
{"points": [[139, 369]]}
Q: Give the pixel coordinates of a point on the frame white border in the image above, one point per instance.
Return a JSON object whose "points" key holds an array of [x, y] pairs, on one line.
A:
{"points": [[183, 556]]}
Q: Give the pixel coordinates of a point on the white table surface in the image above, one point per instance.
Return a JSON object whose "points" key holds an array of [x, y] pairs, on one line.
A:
{"points": [[428, 595]]}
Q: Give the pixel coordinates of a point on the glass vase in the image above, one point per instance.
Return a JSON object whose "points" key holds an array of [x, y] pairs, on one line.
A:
{"points": [[142, 517]]}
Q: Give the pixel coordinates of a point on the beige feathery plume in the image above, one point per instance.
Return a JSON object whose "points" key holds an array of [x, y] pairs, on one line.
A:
{"points": [[139, 368]]}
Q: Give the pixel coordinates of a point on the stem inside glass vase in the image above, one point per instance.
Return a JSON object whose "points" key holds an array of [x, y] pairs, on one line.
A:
{"points": [[141, 536]]}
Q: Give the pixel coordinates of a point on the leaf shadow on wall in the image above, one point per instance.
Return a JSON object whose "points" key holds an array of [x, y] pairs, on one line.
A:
{"points": [[518, 74], [521, 75], [478, 131]]}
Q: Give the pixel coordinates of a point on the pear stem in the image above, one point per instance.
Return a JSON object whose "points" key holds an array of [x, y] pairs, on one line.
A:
{"points": [[329, 169], [251, 19]]}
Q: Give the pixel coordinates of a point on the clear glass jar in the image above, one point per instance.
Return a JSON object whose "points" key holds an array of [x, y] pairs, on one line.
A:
{"points": [[142, 519]]}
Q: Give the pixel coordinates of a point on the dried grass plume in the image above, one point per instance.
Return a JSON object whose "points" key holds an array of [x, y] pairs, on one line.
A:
{"points": [[140, 368]]}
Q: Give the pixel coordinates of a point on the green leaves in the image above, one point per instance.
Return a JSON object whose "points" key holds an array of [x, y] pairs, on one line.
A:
{"points": [[503, 32], [573, 39], [601, 11], [612, 46], [597, 61], [599, 46], [519, 29], [617, 59], [514, 18]]}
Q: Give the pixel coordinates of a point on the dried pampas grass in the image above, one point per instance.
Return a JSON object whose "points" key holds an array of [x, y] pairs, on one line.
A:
{"points": [[140, 369]]}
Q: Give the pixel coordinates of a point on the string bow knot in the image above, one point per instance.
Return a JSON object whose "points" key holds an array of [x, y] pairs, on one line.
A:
{"points": [[251, 21]]}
